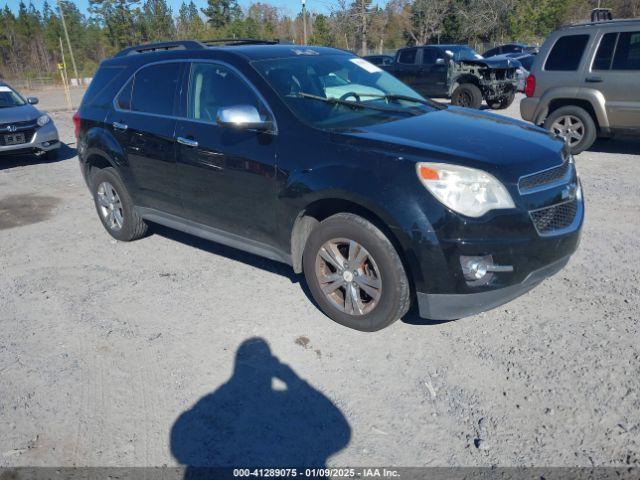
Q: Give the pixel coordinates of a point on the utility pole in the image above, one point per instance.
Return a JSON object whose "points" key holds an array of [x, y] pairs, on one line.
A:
{"points": [[304, 22], [66, 35], [63, 73]]}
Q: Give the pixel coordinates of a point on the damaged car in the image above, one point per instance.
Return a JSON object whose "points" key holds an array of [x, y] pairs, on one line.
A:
{"points": [[457, 72]]}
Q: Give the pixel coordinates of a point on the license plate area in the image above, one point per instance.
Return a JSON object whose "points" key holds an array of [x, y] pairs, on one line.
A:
{"points": [[14, 139]]}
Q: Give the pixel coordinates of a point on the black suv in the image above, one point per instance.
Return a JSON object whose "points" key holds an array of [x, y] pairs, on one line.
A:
{"points": [[317, 158]]}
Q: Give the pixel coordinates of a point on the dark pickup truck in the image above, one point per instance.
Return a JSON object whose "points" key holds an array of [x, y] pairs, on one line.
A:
{"points": [[456, 72]]}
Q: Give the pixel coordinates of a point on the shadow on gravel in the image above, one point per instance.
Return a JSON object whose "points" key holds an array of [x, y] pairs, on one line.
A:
{"points": [[11, 161], [622, 145], [250, 259], [20, 210], [412, 317], [250, 421]]}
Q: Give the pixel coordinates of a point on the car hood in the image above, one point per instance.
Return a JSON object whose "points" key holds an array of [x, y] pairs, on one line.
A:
{"points": [[490, 62], [504, 147], [22, 113]]}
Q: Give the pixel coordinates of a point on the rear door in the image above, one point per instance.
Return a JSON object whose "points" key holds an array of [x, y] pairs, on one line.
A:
{"points": [[143, 122], [433, 75], [407, 65], [227, 176], [615, 71]]}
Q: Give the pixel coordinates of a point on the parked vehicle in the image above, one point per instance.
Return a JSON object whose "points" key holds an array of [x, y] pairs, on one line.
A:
{"points": [[510, 48], [382, 200], [380, 60], [456, 72], [585, 82], [521, 72], [23, 128]]}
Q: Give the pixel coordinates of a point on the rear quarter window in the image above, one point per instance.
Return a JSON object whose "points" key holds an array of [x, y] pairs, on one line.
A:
{"points": [[567, 53], [104, 86]]}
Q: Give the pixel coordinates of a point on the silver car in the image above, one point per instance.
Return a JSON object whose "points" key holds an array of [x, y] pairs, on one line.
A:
{"points": [[23, 128], [585, 82]]}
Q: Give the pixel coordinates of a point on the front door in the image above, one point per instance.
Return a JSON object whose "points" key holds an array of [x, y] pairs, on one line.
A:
{"points": [[227, 176]]}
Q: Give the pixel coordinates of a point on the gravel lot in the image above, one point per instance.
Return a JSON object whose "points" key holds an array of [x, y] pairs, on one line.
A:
{"points": [[175, 350]]}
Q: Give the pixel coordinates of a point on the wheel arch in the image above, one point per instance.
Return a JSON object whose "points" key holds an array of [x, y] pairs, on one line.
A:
{"points": [[313, 213]]}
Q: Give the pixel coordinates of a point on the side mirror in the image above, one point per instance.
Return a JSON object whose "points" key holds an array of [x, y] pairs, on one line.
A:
{"points": [[244, 117], [440, 61], [32, 100]]}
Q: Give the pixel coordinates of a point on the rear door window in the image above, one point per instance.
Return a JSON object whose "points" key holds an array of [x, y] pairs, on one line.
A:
{"points": [[604, 55], [627, 56], [408, 56], [154, 88], [566, 54]]}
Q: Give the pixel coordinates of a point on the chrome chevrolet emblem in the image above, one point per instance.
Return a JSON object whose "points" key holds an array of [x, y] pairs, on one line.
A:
{"points": [[11, 128]]}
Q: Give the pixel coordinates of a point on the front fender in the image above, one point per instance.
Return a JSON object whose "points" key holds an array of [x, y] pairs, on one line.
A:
{"points": [[392, 197]]}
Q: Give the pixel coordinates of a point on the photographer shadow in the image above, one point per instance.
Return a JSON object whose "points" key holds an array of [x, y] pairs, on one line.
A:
{"points": [[263, 416]]}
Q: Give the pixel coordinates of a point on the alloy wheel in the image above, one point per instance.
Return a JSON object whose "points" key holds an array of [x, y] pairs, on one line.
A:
{"points": [[348, 276], [570, 128], [110, 206]]}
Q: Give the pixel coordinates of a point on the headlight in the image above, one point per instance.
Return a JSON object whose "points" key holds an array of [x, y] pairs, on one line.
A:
{"points": [[43, 120], [465, 190]]}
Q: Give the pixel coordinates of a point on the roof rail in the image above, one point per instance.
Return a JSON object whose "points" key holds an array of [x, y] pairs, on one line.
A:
{"points": [[619, 21], [240, 41], [161, 46]]}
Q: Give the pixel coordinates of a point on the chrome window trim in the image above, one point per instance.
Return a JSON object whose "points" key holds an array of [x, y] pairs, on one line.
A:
{"points": [[561, 181], [191, 62]]}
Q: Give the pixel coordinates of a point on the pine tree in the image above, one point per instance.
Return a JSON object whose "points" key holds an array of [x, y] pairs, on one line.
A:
{"points": [[221, 13]]}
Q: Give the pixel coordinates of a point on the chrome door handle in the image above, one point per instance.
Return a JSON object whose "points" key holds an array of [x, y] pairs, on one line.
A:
{"points": [[188, 142], [593, 80], [120, 126]]}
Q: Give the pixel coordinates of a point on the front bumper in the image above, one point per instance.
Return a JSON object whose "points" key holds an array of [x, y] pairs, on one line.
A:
{"points": [[44, 138], [454, 306]]}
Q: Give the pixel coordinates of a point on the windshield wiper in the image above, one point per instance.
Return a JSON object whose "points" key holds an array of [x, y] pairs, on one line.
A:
{"points": [[407, 98], [334, 101]]}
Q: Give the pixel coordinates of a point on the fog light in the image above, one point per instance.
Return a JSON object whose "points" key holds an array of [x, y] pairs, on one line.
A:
{"points": [[476, 268]]}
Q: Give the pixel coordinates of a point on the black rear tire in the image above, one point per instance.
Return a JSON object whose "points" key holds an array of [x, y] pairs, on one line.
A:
{"points": [[133, 226], [395, 297], [467, 95]]}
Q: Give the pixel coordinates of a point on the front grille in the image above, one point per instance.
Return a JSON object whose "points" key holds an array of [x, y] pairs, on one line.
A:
{"points": [[28, 136], [19, 125], [557, 217], [545, 178]]}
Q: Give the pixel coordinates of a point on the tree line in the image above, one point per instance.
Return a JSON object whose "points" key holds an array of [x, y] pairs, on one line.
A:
{"points": [[30, 38]]}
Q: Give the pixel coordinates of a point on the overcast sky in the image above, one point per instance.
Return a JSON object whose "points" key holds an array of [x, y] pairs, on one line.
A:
{"points": [[288, 6]]}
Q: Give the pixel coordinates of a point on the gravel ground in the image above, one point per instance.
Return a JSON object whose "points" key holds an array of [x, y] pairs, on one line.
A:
{"points": [[175, 350]]}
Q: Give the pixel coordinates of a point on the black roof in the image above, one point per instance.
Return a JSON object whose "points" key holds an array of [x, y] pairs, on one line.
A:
{"points": [[250, 49]]}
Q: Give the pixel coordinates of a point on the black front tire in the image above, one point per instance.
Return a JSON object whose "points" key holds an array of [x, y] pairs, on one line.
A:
{"points": [[467, 95], [395, 298], [133, 226]]}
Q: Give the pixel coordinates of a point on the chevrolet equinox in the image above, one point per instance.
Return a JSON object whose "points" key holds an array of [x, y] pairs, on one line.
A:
{"points": [[319, 159]]}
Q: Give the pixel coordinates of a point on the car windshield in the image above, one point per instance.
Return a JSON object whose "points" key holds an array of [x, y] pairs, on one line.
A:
{"points": [[9, 98], [462, 52], [341, 91]]}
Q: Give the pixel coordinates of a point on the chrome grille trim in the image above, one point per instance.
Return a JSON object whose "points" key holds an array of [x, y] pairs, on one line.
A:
{"points": [[548, 178]]}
